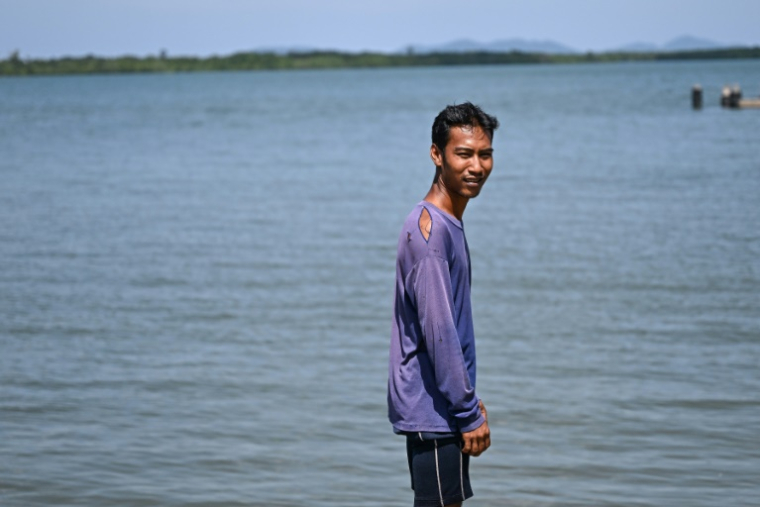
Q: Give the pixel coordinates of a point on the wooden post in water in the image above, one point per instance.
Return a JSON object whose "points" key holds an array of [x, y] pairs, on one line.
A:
{"points": [[696, 96]]}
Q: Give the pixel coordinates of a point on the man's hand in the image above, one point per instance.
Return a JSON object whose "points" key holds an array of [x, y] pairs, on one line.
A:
{"points": [[479, 439]]}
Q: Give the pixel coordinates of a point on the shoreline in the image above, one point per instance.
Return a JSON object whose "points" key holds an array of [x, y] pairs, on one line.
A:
{"points": [[250, 61]]}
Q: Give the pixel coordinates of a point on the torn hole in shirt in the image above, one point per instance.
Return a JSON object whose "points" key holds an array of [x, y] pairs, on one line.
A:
{"points": [[425, 223]]}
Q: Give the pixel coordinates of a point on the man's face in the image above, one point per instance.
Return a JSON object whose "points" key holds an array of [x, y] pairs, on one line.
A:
{"points": [[466, 162]]}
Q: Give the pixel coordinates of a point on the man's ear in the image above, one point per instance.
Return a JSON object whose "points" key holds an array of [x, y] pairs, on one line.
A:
{"points": [[436, 156]]}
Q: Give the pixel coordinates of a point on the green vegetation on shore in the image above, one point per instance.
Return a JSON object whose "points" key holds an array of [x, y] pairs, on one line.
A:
{"points": [[15, 66]]}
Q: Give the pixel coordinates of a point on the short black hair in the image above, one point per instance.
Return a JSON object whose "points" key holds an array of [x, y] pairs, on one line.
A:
{"points": [[461, 115]]}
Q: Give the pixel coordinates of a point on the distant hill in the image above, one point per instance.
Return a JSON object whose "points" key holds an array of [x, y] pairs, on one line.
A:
{"points": [[549, 47], [689, 43], [284, 50], [639, 47], [682, 43], [498, 46]]}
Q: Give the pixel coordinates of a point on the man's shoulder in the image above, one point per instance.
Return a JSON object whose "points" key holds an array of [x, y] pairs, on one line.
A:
{"points": [[425, 231]]}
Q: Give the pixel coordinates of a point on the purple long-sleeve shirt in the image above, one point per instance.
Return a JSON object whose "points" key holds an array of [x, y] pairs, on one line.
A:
{"points": [[431, 380]]}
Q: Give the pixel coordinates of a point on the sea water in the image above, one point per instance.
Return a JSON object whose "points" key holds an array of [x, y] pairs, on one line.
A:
{"points": [[197, 276]]}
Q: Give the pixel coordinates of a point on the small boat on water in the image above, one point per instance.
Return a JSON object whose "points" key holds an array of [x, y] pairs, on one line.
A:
{"points": [[731, 97]]}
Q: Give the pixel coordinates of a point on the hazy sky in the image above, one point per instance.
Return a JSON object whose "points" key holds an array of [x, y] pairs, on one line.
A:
{"points": [[45, 28]]}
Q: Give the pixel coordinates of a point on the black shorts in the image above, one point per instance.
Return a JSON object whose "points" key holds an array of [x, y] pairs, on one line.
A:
{"points": [[440, 471]]}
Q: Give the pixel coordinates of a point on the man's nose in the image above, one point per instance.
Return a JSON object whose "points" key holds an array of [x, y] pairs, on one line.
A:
{"points": [[477, 166]]}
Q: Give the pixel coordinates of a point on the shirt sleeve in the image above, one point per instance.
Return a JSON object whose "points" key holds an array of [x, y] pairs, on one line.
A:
{"points": [[435, 309]]}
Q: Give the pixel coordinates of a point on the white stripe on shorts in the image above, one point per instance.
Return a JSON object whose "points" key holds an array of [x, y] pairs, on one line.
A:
{"points": [[438, 474], [461, 475]]}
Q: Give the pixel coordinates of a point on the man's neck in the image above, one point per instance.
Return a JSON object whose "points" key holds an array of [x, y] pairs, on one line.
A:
{"points": [[443, 200]]}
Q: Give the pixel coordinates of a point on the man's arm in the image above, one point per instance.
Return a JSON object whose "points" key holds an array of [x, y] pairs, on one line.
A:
{"points": [[435, 309], [479, 439]]}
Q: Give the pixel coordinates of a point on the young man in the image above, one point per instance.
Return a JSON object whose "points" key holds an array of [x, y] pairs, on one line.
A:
{"points": [[431, 383]]}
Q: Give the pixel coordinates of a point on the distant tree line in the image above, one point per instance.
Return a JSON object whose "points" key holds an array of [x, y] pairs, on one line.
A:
{"points": [[14, 65]]}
